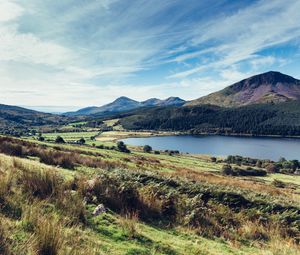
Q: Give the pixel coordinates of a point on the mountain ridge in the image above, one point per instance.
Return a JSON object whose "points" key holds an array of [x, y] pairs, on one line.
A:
{"points": [[269, 87], [123, 104]]}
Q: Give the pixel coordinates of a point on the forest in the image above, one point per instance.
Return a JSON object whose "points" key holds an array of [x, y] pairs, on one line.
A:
{"points": [[262, 119]]}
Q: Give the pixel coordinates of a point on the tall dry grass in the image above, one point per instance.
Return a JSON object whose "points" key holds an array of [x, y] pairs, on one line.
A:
{"points": [[49, 236], [129, 224]]}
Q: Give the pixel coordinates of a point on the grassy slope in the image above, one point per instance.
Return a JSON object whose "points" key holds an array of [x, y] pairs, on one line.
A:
{"points": [[106, 233]]}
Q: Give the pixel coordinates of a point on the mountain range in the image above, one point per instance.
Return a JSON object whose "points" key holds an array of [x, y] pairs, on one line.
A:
{"points": [[123, 104], [268, 103]]}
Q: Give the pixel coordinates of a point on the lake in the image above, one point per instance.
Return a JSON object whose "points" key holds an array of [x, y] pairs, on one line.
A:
{"points": [[254, 147]]}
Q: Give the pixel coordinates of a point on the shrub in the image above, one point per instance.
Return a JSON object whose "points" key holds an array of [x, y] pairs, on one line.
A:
{"points": [[272, 168], [81, 141], [147, 148], [62, 159], [59, 139], [213, 159], [11, 149], [157, 152], [227, 169], [249, 171], [41, 138], [122, 147]]}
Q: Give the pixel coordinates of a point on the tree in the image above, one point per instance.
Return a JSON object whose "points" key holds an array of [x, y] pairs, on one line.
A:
{"points": [[147, 148], [122, 147], [227, 169], [59, 139], [213, 159], [81, 141], [40, 137], [271, 168]]}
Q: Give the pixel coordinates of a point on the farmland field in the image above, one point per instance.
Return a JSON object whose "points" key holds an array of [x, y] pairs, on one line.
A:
{"points": [[71, 136]]}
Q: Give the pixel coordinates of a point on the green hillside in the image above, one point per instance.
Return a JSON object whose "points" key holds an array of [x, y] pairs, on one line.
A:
{"points": [[258, 119], [153, 203]]}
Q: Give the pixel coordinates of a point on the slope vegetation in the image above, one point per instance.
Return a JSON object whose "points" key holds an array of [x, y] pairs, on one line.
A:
{"points": [[147, 204]]}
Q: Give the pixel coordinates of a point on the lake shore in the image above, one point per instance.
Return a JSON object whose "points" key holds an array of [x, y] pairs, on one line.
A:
{"points": [[113, 136]]}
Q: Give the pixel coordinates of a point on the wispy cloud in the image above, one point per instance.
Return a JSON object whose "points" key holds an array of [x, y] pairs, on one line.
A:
{"points": [[89, 52], [243, 34]]}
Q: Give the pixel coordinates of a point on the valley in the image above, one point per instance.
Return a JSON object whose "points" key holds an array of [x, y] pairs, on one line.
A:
{"points": [[76, 183]]}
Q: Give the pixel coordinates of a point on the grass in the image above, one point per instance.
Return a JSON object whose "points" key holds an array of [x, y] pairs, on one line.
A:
{"points": [[71, 136], [117, 134], [156, 204]]}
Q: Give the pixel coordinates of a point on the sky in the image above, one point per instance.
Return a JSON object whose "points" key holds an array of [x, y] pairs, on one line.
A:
{"points": [[64, 55]]}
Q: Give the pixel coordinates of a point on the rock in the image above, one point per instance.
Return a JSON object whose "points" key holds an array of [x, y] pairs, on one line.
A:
{"points": [[99, 210]]}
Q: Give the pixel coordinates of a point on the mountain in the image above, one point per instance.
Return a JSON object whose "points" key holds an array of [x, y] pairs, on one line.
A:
{"points": [[123, 104], [175, 101], [270, 87], [119, 105]]}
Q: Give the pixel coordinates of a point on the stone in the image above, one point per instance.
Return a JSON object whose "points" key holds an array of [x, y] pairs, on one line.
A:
{"points": [[99, 210]]}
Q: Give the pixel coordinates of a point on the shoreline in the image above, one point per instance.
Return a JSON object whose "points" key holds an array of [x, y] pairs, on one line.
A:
{"points": [[114, 136]]}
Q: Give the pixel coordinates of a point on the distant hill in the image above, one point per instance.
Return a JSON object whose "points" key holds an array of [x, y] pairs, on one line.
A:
{"points": [[14, 119], [123, 104], [270, 87]]}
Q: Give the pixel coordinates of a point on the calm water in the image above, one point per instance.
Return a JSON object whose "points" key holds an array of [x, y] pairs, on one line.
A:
{"points": [[255, 147]]}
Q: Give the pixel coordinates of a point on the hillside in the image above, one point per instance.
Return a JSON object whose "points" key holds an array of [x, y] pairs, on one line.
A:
{"points": [[257, 119], [270, 87], [15, 120], [123, 104], [64, 199]]}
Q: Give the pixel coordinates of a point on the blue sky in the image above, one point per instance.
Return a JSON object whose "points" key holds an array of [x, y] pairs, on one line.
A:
{"points": [[68, 54]]}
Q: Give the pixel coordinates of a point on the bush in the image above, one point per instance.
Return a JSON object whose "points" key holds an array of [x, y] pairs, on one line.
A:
{"points": [[11, 149], [249, 171], [147, 148], [62, 159], [81, 141], [122, 147], [227, 169], [213, 159], [157, 152], [59, 139], [272, 168]]}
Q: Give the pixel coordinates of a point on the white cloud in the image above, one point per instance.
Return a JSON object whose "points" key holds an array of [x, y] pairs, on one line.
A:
{"points": [[86, 52], [9, 10], [27, 48]]}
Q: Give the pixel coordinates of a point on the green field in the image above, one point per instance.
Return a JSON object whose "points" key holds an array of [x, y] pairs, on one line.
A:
{"points": [[71, 136]]}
